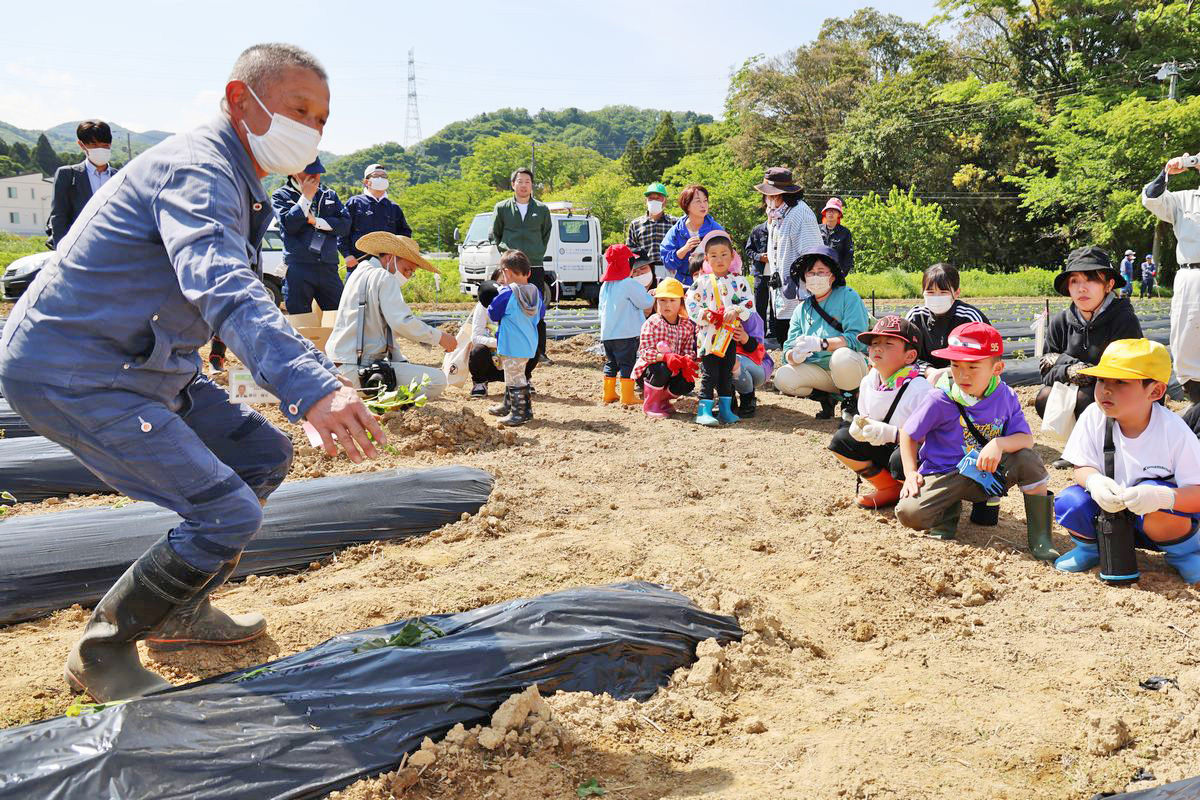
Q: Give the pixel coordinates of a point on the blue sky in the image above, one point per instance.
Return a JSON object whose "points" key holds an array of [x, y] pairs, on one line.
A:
{"points": [[163, 63]]}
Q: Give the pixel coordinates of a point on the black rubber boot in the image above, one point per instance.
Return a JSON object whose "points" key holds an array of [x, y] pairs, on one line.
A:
{"points": [[747, 405], [828, 405], [104, 662], [947, 526], [985, 514], [1192, 390], [1039, 516], [198, 623], [502, 409], [518, 401]]}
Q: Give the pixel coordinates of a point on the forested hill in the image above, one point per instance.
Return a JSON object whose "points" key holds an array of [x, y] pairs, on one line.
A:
{"points": [[607, 130]]}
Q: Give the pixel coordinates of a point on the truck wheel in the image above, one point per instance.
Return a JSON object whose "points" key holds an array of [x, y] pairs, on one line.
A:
{"points": [[275, 287]]}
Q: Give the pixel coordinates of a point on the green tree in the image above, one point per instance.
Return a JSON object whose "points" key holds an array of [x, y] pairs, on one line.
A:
{"points": [[902, 232], [492, 161], [3, 148], [20, 155], [610, 197], [435, 209], [633, 161], [664, 149], [44, 156], [693, 140], [891, 43]]}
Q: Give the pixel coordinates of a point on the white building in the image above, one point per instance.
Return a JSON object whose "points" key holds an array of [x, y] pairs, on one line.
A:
{"points": [[25, 203]]}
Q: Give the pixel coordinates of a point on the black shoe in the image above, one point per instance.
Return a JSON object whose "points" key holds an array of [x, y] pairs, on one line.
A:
{"points": [[104, 662], [502, 408], [985, 514], [545, 359], [1062, 463], [198, 623], [479, 390], [747, 404], [828, 406]]}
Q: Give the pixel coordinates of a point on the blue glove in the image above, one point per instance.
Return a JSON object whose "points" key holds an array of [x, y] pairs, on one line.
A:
{"points": [[988, 480]]}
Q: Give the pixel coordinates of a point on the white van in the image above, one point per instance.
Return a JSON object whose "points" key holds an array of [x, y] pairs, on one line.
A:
{"points": [[574, 257]]}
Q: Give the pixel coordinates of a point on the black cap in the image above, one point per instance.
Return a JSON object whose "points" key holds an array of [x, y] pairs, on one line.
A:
{"points": [[1087, 259]]}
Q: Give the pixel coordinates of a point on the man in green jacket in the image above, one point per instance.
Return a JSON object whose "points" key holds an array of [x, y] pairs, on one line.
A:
{"points": [[522, 223]]}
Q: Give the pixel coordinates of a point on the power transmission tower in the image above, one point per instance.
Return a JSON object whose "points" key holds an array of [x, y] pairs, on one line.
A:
{"points": [[412, 118]]}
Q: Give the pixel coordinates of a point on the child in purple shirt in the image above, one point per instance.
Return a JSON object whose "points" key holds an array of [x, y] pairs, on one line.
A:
{"points": [[974, 444]]}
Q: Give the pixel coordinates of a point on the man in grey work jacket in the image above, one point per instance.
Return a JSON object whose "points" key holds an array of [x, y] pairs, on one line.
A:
{"points": [[522, 223], [100, 355]]}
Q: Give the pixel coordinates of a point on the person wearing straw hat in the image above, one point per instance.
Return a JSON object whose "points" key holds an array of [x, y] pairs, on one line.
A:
{"points": [[837, 235], [373, 310], [1156, 462], [791, 230]]}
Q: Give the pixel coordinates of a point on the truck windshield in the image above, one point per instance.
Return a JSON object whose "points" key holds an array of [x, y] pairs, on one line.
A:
{"points": [[572, 231], [481, 228]]}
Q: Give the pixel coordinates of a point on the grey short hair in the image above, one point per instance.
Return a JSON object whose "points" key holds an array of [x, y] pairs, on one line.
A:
{"points": [[260, 65]]}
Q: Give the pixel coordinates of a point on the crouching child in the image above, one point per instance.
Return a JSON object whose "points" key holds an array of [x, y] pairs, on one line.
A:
{"points": [[887, 396], [974, 443], [1155, 473], [666, 351]]}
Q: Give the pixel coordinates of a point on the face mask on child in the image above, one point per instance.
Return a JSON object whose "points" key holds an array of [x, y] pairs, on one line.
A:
{"points": [[645, 280], [939, 303], [818, 284]]}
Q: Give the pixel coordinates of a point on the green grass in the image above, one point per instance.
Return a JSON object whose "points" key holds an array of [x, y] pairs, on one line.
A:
{"points": [[1029, 282], [13, 247]]}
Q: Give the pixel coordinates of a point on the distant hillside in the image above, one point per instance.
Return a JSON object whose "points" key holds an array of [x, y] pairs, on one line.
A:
{"points": [[606, 130], [62, 137]]}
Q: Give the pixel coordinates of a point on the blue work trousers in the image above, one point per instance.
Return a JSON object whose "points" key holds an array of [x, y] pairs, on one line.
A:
{"points": [[306, 282]]}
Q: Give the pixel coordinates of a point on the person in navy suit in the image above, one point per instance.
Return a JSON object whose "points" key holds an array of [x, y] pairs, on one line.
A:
{"points": [[75, 184], [371, 211], [311, 218]]}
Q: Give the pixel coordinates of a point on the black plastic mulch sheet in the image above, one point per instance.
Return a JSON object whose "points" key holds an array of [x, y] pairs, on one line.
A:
{"points": [[34, 468], [319, 720], [1187, 789], [53, 560], [11, 424]]}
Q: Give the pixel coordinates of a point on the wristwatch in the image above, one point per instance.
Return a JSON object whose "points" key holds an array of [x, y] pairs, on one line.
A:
{"points": [[824, 344]]}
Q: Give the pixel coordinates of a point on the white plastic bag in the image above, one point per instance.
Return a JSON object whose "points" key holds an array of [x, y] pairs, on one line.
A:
{"points": [[455, 362], [1059, 418]]}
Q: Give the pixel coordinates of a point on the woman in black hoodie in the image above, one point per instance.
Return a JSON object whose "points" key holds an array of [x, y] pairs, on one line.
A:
{"points": [[1079, 333]]}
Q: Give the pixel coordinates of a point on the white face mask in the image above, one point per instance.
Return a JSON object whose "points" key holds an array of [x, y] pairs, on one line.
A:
{"points": [[378, 184], [287, 147], [654, 206], [818, 284], [400, 276], [644, 280], [939, 303], [100, 155]]}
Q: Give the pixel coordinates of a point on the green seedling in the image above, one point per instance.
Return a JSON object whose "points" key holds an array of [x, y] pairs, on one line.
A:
{"points": [[78, 709], [8, 497], [590, 788], [124, 501], [252, 674], [401, 397], [410, 635]]}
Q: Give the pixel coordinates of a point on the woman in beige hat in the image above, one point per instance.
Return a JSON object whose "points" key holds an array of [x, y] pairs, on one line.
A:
{"points": [[373, 310]]}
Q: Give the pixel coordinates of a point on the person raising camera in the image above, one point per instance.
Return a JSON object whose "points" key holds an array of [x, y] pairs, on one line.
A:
{"points": [[373, 310]]}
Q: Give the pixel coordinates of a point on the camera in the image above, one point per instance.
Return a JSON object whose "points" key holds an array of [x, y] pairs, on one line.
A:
{"points": [[1190, 162], [377, 376]]}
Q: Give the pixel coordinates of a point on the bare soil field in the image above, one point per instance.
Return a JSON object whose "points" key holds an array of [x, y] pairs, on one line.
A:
{"points": [[877, 663]]}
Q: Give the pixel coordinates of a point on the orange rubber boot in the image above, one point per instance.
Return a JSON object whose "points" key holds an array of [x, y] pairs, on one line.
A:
{"points": [[628, 398], [887, 491], [610, 391]]}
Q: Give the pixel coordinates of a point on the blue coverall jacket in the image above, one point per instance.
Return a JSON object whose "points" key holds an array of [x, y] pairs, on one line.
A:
{"points": [[299, 236]]}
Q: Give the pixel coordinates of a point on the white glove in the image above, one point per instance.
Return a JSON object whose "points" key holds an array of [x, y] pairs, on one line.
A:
{"points": [[809, 343], [879, 433], [856, 428], [796, 356], [1106, 492], [1147, 498]]}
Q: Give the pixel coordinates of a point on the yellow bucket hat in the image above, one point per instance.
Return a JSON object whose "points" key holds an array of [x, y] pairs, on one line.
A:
{"points": [[379, 242], [670, 288], [1133, 360]]}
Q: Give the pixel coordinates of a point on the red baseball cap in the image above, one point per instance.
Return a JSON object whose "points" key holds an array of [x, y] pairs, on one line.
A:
{"points": [[973, 341]]}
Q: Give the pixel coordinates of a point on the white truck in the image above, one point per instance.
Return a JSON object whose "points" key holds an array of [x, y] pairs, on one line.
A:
{"points": [[574, 257]]}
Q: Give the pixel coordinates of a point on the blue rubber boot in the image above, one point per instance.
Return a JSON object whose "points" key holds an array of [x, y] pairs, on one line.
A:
{"points": [[704, 415], [1081, 558], [1185, 557], [725, 411]]}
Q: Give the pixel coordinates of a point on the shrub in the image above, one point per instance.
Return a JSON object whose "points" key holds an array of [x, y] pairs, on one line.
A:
{"points": [[902, 232]]}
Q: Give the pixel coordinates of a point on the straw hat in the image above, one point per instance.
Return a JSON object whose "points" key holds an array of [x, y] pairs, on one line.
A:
{"points": [[379, 242]]}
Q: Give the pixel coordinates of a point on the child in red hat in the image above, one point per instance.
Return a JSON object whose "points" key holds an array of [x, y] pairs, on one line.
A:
{"points": [[974, 444], [623, 302]]}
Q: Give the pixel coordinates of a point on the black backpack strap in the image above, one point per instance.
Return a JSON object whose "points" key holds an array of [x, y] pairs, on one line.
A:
{"points": [[895, 402], [1110, 449], [825, 315], [979, 437]]}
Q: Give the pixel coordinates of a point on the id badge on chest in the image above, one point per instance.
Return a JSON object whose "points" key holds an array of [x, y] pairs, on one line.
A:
{"points": [[317, 243]]}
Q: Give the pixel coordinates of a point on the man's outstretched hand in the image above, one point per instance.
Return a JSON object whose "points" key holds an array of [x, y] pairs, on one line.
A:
{"points": [[341, 413]]}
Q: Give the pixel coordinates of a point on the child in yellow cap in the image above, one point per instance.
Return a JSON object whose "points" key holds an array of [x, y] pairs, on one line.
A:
{"points": [[666, 351], [1156, 466]]}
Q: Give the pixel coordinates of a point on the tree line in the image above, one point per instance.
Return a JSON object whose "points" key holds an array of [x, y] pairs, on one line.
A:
{"points": [[18, 158]]}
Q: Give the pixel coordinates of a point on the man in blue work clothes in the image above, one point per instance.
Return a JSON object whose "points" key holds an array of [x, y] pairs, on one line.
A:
{"points": [[311, 218], [100, 356], [371, 211]]}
